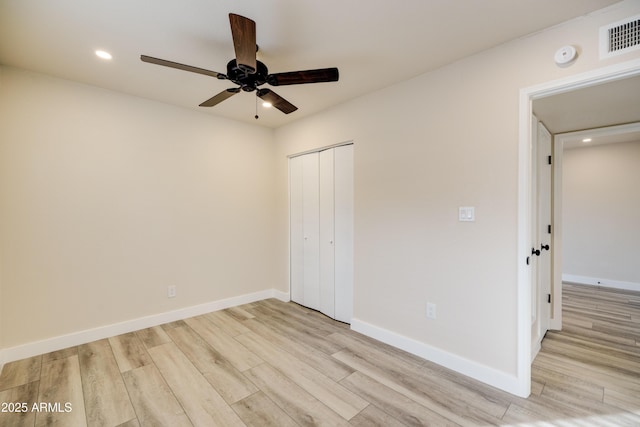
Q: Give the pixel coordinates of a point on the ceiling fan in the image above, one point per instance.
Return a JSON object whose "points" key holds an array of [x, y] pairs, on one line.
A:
{"points": [[249, 73]]}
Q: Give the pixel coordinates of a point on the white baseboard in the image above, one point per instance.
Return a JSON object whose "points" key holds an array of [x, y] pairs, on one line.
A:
{"points": [[82, 337], [485, 374], [598, 281]]}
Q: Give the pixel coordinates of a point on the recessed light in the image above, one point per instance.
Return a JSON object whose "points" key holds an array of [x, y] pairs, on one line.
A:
{"points": [[586, 140], [102, 54], [267, 104]]}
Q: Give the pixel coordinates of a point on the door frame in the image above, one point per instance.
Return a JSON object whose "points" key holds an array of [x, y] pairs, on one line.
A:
{"points": [[525, 177]]}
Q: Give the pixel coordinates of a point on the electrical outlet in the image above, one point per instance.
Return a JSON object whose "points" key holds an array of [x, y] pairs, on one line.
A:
{"points": [[431, 310], [171, 291]]}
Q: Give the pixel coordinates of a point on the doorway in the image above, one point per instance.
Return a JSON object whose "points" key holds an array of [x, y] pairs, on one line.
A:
{"points": [[598, 111], [530, 99]]}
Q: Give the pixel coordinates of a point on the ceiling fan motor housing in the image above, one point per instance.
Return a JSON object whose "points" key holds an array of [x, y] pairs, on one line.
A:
{"points": [[247, 81]]}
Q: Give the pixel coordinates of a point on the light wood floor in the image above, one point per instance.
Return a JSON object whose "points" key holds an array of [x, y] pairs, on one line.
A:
{"points": [[278, 364]]}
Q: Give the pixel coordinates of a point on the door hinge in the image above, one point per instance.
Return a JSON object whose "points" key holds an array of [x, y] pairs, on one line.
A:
{"points": [[549, 159], [549, 298], [549, 228]]}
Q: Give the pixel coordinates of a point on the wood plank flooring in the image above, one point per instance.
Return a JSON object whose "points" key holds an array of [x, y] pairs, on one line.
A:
{"points": [[271, 363]]}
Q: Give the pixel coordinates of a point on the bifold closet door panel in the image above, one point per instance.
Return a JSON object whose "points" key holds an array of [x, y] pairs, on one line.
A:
{"points": [[327, 252], [311, 229], [343, 226], [296, 234]]}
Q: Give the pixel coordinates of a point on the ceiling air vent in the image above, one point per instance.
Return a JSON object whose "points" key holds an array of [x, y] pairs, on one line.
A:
{"points": [[620, 37]]}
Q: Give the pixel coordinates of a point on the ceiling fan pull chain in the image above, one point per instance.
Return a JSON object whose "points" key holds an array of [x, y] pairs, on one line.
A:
{"points": [[257, 105]]}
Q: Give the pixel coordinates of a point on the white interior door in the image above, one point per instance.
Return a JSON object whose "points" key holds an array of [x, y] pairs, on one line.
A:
{"points": [[544, 227], [343, 176], [311, 229], [541, 234], [327, 246]]}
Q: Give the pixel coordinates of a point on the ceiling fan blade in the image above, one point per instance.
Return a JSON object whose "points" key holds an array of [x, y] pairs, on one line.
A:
{"points": [[172, 64], [225, 94], [277, 101], [243, 31], [301, 77]]}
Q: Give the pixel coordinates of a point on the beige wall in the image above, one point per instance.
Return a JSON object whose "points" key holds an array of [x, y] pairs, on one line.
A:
{"points": [[601, 202], [423, 148], [107, 199]]}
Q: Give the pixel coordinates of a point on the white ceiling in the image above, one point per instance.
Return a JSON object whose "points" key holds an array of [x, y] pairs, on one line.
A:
{"points": [[594, 112], [374, 43], [596, 106]]}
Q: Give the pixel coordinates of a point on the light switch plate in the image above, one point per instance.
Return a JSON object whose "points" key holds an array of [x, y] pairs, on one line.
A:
{"points": [[466, 213]]}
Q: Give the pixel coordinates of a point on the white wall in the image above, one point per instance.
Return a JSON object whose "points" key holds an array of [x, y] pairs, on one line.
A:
{"points": [[107, 199], [601, 224], [423, 148]]}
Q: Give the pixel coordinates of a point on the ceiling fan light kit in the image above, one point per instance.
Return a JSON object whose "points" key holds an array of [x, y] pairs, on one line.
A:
{"points": [[249, 73]]}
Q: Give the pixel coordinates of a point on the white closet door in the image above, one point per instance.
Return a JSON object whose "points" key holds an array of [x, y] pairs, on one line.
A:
{"points": [[311, 229], [321, 216], [297, 230], [327, 253], [343, 220]]}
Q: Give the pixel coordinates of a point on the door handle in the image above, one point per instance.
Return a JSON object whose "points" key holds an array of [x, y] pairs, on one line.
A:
{"points": [[535, 251], [545, 247]]}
